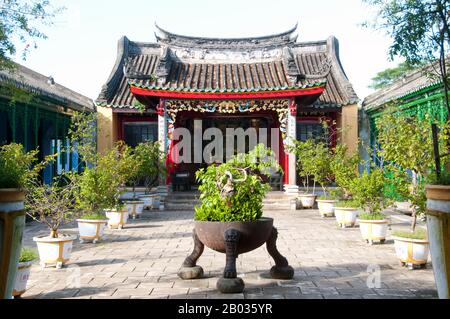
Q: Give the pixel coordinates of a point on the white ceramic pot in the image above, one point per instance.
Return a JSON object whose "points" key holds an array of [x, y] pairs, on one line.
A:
{"points": [[438, 225], [91, 229], [54, 250], [22, 276], [372, 230], [117, 219], [346, 216], [135, 208], [148, 200], [307, 200], [326, 207], [412, 252]]}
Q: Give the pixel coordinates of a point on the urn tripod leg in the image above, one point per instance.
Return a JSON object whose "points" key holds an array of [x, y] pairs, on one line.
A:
{"points": [[230, 283], [281, 270], [189, 269]]}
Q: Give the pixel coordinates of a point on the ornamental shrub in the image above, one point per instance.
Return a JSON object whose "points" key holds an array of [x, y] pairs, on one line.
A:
{"points": [[234, 191]]}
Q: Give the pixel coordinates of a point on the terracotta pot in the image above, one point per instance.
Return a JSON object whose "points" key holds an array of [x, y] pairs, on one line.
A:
{"points": [[54, 250], [22, 276], [253, 234], [346, 216], [91, 229], [438, 224], [326, 207], [412, 251], [12, 219], [373, 230], [307, 200]]}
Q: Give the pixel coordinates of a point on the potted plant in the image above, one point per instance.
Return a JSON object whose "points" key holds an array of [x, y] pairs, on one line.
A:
{"points": [[346, 213], [229, 219], [323, 175], [151, 166], [92, 187], [53, 205], [16, 172], [112, 167], [27, 256], [344, 168], [406, 143], [304, 152], [368, 192]]}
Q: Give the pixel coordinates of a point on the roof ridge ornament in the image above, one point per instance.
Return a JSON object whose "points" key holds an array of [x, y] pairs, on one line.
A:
{"points": [[284, 38], [323, 71], [293, 71]]}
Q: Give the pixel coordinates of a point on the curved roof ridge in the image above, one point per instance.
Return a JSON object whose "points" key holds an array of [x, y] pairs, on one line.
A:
{"points": [[265, 37]]}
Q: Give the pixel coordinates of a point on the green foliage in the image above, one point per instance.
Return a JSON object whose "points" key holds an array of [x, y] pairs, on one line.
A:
{"points": [[417, 27], [19, 20], [313, 161], [406, 144], [17, 167], [82, 134], [420, 234], [93, 216], [99, 186], [389, 76], [149, 163], [234, 191], [140, 107], [368, 191], [27, 255], [53, 204], [348, 204], [443, 179], [406, 141], [370, 216], [344, 168]]}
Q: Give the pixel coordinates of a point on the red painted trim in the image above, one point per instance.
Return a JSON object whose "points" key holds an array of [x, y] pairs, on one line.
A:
{"points": [[219, 96]]}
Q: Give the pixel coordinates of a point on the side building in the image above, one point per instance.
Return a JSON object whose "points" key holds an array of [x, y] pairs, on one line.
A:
{"points": [[35, 111]]}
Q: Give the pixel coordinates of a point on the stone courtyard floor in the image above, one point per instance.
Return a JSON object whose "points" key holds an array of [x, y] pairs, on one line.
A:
{"points": [[142, 260]]}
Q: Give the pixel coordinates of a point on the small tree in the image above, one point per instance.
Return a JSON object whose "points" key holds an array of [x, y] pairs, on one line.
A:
{"points": [[149, 162], [368, 191], [320, 165], [21, 20], [406, 143], [99, 186], [304, 151], [344, 168], [52, 205]]}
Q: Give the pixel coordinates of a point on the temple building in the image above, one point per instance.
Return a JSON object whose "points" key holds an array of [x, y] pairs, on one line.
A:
{"points": [[261, 82], [35, 111]]}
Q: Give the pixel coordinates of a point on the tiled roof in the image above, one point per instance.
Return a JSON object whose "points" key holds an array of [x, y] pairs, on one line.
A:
{"points": [[284, 65], [409, 84], [338, 90], [37, 83]]}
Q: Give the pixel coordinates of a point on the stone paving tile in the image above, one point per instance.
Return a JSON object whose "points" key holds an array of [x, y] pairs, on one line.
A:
{"points": [[142, 260]]}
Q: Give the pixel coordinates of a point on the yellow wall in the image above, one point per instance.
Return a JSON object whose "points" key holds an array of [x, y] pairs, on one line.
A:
{"points": [[348, 121], [107, 128]]}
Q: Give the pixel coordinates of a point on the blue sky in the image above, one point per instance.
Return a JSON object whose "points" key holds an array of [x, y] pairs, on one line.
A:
{"points": [[81, 48]]}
